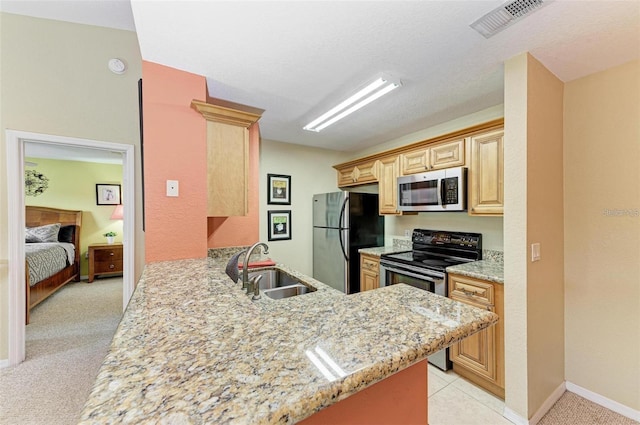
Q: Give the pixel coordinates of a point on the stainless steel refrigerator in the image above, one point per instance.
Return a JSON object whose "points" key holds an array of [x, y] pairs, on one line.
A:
{"points": [[344, 222]]}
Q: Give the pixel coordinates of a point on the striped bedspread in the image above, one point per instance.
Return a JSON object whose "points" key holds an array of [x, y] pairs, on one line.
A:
{"points": [[47, 259]]}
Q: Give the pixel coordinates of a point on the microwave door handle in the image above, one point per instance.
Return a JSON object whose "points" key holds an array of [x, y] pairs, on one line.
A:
{"points": [[443, 193]]}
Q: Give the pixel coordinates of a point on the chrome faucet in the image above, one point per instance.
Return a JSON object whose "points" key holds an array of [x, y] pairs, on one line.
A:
{"points": [[245, 266]]}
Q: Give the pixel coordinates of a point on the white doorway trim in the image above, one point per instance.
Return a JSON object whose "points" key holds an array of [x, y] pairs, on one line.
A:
{"points": [[15, 141]]}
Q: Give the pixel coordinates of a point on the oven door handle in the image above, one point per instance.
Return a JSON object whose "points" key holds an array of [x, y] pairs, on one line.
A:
{"points": [[406, 273]]}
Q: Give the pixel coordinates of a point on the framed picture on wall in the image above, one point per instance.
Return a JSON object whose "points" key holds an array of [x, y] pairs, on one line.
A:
{"points": [[108, 194], [279, 225], [278, 189]]}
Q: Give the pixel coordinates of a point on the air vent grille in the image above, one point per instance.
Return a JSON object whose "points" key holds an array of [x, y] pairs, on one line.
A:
{"points": [[506, 15]]}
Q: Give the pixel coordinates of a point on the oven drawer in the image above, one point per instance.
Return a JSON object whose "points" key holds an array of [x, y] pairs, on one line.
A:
{"points": [[471, 289]]}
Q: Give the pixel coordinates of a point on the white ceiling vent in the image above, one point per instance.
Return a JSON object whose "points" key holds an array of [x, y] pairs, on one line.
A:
{"points": [[505, 15]]}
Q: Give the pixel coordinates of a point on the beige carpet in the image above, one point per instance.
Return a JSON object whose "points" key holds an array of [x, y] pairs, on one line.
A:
{"points": [[66, 341], [571, 409]]}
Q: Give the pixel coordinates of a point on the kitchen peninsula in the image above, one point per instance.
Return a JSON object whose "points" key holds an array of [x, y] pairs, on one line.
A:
{"points": [[193, 348]]}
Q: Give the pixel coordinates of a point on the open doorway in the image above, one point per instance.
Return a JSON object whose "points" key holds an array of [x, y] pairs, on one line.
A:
{"points": [[16, 143]]}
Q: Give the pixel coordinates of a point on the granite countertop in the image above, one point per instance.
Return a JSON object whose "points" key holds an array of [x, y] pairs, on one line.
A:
{"points": [[490, 270], [193, 348], [379, 250]]}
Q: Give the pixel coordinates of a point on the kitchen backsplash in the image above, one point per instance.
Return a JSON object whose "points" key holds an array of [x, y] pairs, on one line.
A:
{"points": [[489, 254], [402, 244]]}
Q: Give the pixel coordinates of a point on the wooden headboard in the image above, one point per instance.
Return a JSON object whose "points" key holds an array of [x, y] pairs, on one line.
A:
{"points": [[39, 216]]}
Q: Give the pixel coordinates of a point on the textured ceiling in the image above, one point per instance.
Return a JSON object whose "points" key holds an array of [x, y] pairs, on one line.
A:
{"points": [[296, 59]]}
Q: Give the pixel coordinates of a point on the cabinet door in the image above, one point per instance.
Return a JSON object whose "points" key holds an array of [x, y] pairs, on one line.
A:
{"points": [[415, 161], [388, 187], [366, 172], [486, 174], [446, 155], [227, 170], [477, 352], [369, 273], [480, 357]]}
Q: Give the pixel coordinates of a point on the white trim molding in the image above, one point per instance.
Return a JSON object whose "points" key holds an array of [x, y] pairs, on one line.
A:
{"points": [[15, 141], [604, 402]]}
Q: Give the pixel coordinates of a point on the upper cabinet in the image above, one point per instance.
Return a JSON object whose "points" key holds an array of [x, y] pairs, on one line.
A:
{"points": [[357, 174], [486, 174], [479, 148], [434, 157], [227, 159], [388, 188]]}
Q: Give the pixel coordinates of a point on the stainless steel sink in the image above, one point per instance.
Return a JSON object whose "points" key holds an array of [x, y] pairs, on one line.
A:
{"points": [[287, 291], [274, 278], [277, 284]]}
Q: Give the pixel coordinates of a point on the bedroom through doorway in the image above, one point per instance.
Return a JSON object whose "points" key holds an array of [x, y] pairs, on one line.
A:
{"points": [[72, 171]]}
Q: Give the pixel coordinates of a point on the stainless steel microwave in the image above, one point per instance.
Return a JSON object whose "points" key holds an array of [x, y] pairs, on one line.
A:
{"points": [[441, 190]]}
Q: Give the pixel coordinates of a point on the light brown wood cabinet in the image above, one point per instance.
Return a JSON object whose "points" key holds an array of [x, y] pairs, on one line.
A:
{"points": [[434, 157], [369, 272], [486, 174], [227, 159], [388, 187], [363, 173], [480, 357]]}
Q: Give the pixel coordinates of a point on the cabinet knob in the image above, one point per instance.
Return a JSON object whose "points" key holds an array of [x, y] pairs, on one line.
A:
{"points": [[112, 266], [111, 253]]}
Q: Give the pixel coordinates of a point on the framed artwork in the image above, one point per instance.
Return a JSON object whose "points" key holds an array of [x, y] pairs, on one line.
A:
{"points": [[108, 194], [278, 189], [279, 225]]}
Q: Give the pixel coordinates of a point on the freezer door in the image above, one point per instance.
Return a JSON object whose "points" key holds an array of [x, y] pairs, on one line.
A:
{"points": [[327, 208], [329, 264]]}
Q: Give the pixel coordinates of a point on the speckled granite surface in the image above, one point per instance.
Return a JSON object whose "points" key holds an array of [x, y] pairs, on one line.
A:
{"points": [[192, 348], [490, 270], [378, 251]]}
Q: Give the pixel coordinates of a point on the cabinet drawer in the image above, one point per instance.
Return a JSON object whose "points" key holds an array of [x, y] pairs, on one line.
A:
{"points": [[107, 254], [108, 266], [476, 291], [370, 264]]}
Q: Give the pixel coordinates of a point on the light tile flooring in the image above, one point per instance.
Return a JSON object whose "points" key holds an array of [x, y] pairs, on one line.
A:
{"points": [[455, 401]]}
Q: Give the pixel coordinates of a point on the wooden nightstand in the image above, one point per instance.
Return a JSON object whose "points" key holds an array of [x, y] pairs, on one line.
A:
{"points": [[104, 259]]}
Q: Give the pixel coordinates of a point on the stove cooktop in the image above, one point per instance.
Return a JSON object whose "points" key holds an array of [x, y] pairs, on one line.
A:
{"points": [[437, 250]]}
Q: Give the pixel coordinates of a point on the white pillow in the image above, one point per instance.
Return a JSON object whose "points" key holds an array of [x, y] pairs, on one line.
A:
{"points": [[48, 233]]}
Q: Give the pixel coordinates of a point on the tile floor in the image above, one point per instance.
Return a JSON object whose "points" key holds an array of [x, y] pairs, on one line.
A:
{"points": [[455, 401]]}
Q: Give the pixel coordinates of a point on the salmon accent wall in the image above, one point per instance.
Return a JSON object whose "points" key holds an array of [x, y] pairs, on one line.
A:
{"points": [[240, 231], [174, 149]]}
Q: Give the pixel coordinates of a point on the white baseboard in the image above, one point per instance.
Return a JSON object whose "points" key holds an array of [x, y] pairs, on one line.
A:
{"points": [[512, 416], [546, 406], [4, 363], [604, 402]]}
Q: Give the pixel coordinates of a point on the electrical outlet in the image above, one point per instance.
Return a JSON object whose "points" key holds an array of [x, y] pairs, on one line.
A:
{"points": [[407, 233]]}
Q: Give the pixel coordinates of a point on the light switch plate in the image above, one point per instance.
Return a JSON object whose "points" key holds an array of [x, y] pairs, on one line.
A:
{"points": [[535, 252], [172, 188]]}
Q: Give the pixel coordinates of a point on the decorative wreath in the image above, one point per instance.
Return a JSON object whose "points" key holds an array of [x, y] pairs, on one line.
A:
{"points": [[35, 183]]}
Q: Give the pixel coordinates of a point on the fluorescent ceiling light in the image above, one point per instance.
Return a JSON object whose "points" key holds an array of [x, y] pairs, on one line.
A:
{"points": [[371, 92]]}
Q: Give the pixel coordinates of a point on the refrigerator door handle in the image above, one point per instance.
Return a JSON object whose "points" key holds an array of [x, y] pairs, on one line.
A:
{"points": [[342, 227]]}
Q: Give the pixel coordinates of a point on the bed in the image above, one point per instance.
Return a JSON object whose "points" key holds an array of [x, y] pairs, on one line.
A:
{"points": [[43, 252]]}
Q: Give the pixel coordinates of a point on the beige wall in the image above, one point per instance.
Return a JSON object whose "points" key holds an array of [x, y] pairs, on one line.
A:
{"points": [[534, 291], [311, 172], [602, 233], [54, 80], [545, 278]]}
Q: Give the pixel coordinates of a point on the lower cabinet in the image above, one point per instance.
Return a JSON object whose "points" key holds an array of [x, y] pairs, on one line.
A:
{"points": [[480, 357], [369, 272]]}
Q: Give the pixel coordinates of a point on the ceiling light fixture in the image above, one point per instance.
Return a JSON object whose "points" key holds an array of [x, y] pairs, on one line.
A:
{"points": [[381, 86]]}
